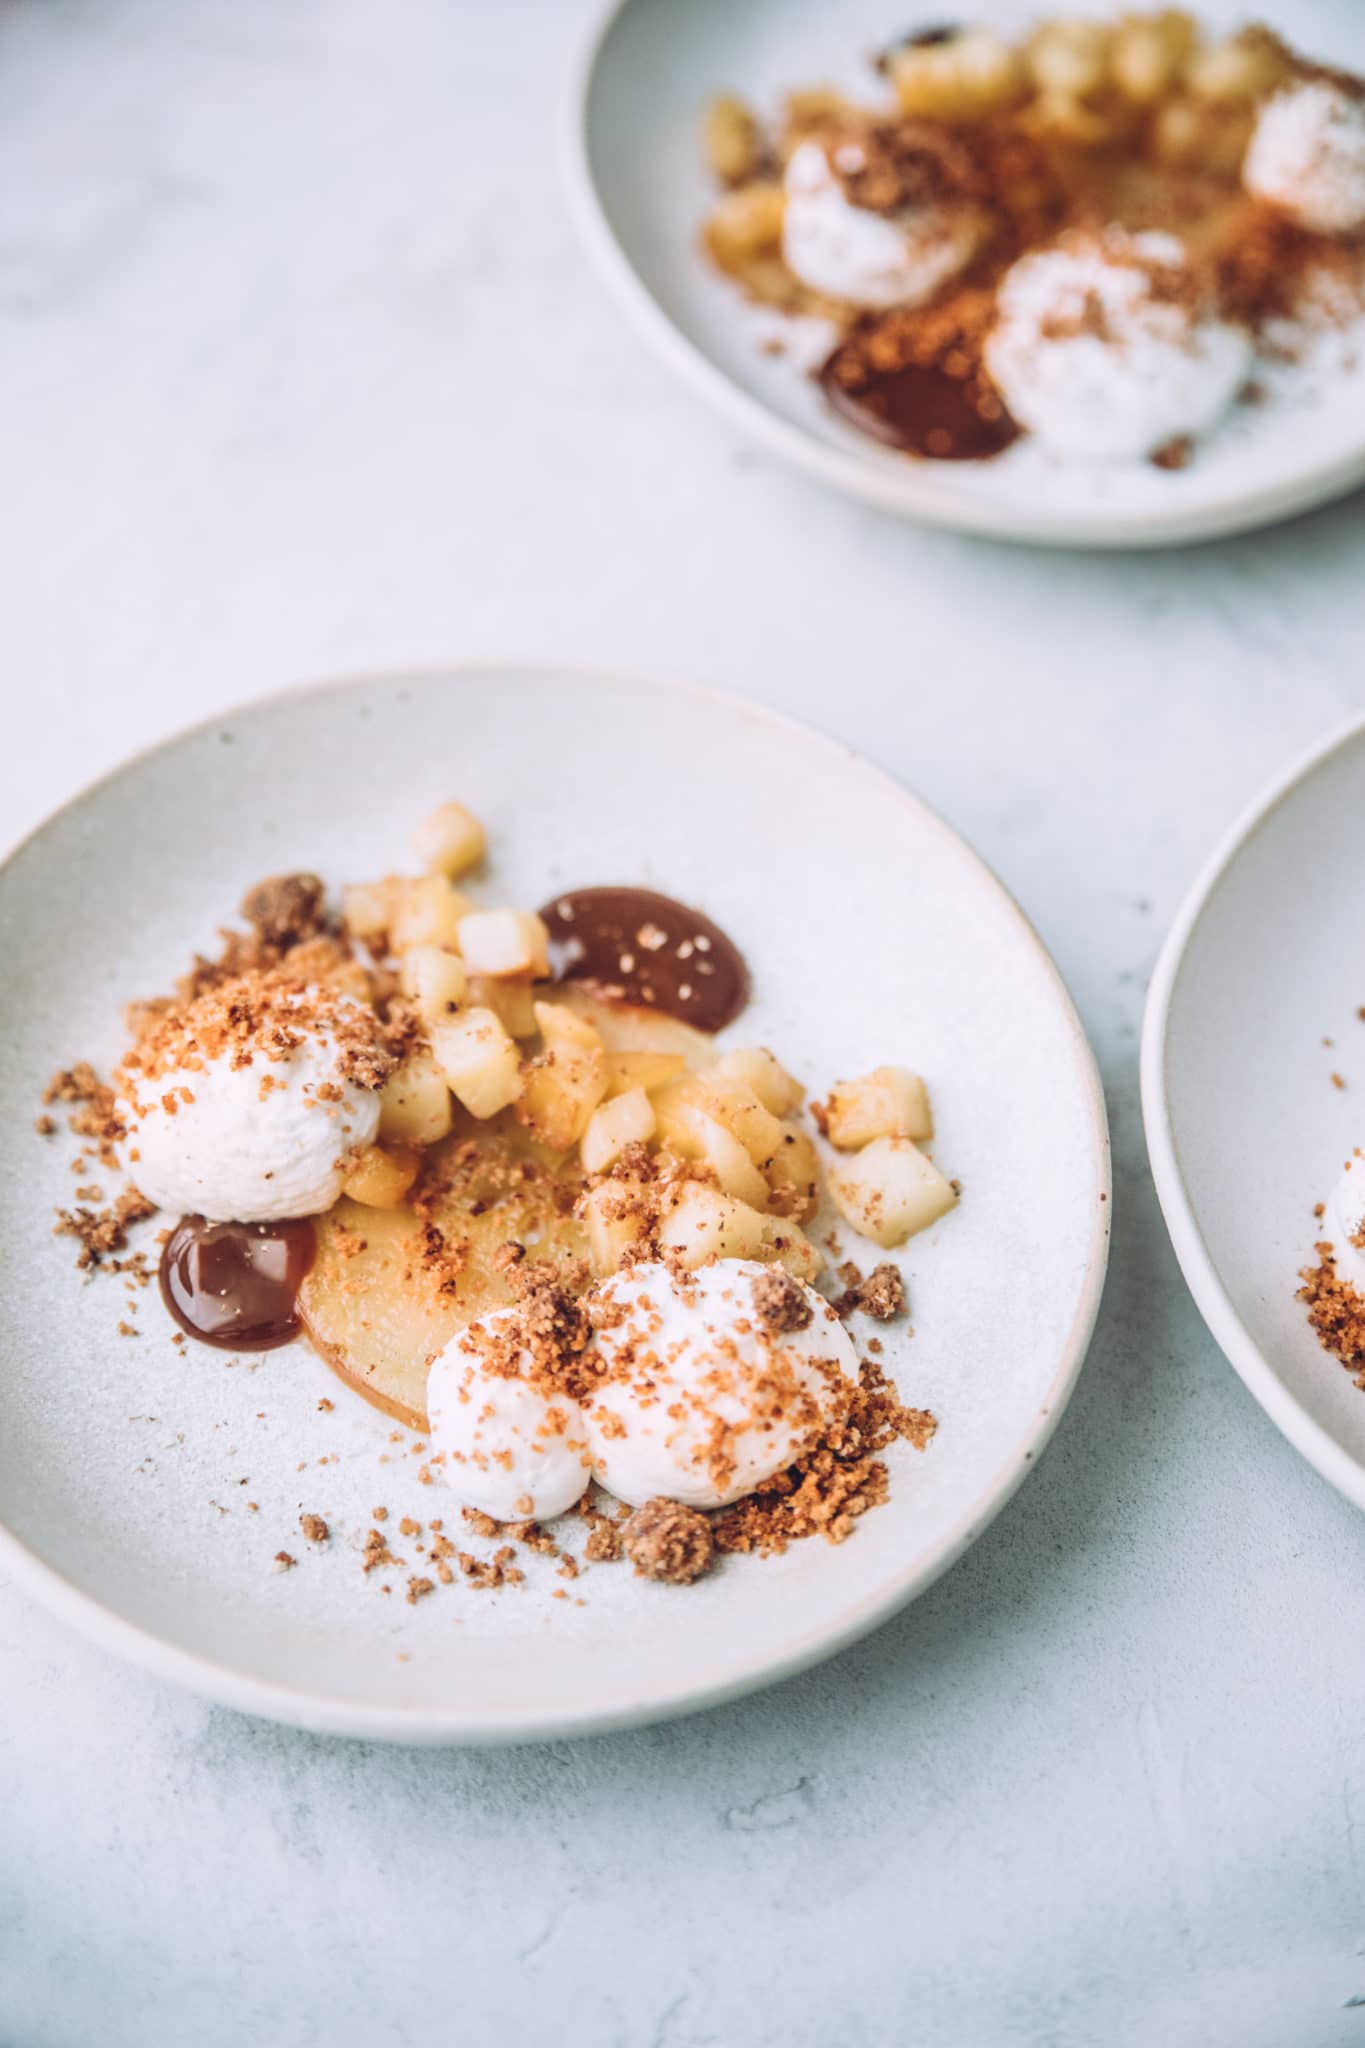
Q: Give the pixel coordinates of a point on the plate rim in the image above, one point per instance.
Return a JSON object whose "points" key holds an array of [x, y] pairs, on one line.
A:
{"points": [[915, 494], [334, 1714], [1309, 1437]]}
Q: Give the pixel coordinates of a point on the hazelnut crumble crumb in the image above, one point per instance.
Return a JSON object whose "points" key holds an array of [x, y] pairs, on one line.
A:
{"points": [[665, 1540], [418, 1590], [314, 1528], [780, 1302], [283, 1562]]}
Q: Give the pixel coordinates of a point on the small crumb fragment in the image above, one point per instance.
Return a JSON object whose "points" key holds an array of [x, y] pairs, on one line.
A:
{"points": [[314, 1528], [283, 1562]]}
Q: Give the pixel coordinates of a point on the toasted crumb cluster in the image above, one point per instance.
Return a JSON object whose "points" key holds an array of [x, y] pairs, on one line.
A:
{"points": [[886, 165], [262, 1015], [285, 910], [880, 1295], [102, 1232], [780, 1302], [665, 1540], [825, 1492], [1336, 1312]]}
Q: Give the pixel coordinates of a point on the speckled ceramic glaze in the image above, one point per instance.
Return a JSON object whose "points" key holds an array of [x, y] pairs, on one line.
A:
{"points": [[872, 932]]}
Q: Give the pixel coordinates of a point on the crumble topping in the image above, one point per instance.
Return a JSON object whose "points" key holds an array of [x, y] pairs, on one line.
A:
{"points": [[779, 1301], [825, 1491], [285, 909], [885, 166], [1336, 1312], [263, 1014], [881, 1295], [665, 1540]]}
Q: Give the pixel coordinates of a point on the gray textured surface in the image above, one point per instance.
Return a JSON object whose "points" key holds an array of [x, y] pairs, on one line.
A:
{"points": [[284, 393]]}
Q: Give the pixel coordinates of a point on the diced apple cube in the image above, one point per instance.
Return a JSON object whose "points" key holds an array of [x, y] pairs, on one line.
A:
{"points": [[381, 1175], [509, 998], [564, 1086], [480, 1061], [727, 1159], [890, 1190], [565, 1031], [673, 1106], [705, 1224], [735, 1105], [503, 942], [450, 841], [787, 1245], [615, 1217], [647, 1070], [367, 907], [414, 1103], [764, 1074], [426, 912], [890, 1102], [435, 980], [626, 1120], [792, 1171]]}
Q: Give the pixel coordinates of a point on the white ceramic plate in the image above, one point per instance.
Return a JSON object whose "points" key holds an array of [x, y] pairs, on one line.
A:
{"points": [[640, 194], [1246, 1131], [872, 932]]}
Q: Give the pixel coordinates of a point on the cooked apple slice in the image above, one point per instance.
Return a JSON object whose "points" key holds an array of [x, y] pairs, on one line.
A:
{"points": [[630, 1027], [385, 1294]]}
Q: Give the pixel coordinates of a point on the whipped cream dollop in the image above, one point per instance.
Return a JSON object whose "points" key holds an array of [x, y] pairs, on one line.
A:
{"points": [[1343, 1223], [244, 1105], [870, 258], [1104, 347], [712, 1381], [512, 1443], [1307, 156]]}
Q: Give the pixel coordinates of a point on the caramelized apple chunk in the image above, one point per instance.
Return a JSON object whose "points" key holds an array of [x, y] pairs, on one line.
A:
{"points": [[479, 1061], [890, 1190], [890, 1102], [450, 841], [414, 1103]]}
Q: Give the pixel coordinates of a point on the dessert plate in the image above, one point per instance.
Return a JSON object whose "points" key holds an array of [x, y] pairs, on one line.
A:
{"points": [[1246, 1129], [127, 1466], [640, 193]]}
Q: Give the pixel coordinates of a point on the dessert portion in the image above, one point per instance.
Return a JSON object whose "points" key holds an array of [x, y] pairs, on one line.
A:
{"points": [[1093, 236], [1307, 156], [496, 1166], [881, 218], [1110, 344]]}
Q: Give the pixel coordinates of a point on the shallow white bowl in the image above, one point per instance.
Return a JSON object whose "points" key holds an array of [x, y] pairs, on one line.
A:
{"points": [[872, 932], [640, 193], [1246, 1130]]}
